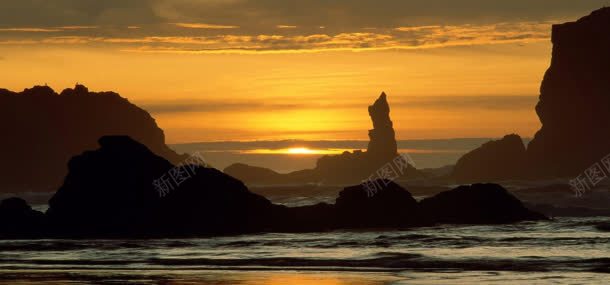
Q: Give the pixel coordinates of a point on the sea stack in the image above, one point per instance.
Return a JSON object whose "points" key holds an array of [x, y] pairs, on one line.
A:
{"points": [[382, 144], [347, 168], [574, 104]]}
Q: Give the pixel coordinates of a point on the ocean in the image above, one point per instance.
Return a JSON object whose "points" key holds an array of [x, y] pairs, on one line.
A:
{"points": [[560, 251]]}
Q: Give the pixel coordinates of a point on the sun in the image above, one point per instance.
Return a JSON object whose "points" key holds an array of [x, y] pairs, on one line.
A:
{"points": [[297, 151], [300, 150]]}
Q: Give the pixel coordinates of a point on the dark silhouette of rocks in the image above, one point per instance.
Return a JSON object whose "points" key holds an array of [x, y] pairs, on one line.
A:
{"points": [[494, 161], [346, 168], [17, 219], [573, 108], [574, 101], [477, 204], [111, 192], [392, 206], [43, 130], [382, 139]]}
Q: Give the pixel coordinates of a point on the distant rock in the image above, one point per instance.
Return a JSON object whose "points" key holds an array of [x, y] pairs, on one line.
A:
{"points": [[574, 106], [253, 174], [477, 204], [111, 192], [494, 161], [347, 168], [46, 129], [17, 219], [261, 176]]}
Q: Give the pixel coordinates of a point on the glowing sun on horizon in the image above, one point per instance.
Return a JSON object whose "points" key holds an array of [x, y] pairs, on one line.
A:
{"points": [[301, 150], [297, 151]]}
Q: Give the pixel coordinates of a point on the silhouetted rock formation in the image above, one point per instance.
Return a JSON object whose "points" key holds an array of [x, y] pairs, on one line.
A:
{"points": [[392, 206], [114, 192], [477, 204], [110, 191], [382, 144], [574, 101], [573, 108], [42, 130], [347, 168], [17, 219], [494, 161]]}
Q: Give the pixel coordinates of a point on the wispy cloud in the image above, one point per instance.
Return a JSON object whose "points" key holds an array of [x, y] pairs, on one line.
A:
{"points": [[286, 27], [78, 27], [399, 38], [46, 29], [204, 26], [415, 28], [31, 30]]}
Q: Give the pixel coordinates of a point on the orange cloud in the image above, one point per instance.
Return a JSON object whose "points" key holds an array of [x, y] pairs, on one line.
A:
{"points": [[31, 30], [204, 26], [46, 30], [77, 27], [416, 28]]}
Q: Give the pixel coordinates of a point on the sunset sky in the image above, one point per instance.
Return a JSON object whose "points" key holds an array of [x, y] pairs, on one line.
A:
{"points": [[212, 70]]}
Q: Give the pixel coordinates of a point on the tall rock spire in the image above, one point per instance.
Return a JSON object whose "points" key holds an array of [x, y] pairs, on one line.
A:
{"points": [[382, 145]]}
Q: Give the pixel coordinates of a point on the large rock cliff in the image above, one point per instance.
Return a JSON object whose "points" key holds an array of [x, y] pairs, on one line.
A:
{"points": [[42, 130], [574, 109], [574, 105]]}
